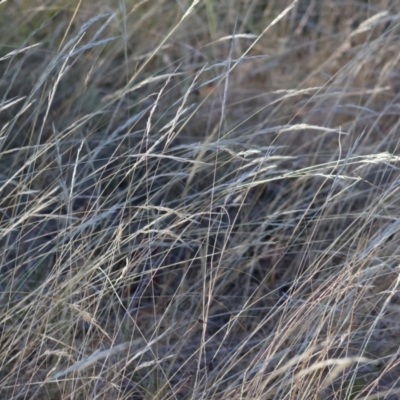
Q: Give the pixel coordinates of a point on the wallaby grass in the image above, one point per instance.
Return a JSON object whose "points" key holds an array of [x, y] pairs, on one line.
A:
{"points": [[199, 199]]}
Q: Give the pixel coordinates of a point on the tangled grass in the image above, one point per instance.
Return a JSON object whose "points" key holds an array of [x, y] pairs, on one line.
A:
{"points": [[199, 199]]}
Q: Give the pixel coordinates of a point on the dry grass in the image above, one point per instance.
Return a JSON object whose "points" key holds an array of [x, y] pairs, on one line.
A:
{"points": [[199, 199]]}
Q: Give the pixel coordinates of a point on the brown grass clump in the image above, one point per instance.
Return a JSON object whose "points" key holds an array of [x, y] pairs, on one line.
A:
{"points": [[199, 199]]}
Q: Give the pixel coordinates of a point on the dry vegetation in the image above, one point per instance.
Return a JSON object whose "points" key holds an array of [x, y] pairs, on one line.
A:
{"points": [[199, 199]]}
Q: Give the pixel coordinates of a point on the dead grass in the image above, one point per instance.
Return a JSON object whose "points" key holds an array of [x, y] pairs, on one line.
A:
{"points": [[199, 200]]}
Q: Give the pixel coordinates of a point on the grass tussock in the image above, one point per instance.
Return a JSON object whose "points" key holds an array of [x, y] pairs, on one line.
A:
{"points": [[199, 199]]}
